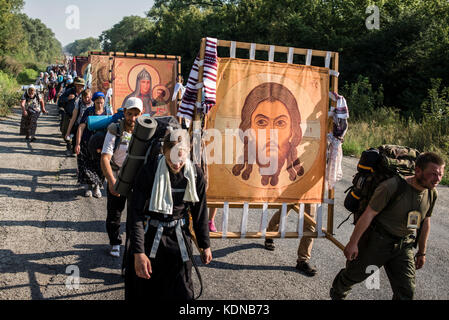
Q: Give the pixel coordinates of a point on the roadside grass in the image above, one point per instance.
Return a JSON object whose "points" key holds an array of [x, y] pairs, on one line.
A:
{"points": [[9, 93], [423, 136]]}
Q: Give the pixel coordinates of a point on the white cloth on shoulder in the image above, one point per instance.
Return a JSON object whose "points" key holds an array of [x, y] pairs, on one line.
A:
{"points": [[161, 196]]}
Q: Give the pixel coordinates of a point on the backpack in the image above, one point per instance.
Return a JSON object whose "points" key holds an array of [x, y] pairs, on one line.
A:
{"points": [[149, 151], [116, 129], [96, 141], [375, 166]]}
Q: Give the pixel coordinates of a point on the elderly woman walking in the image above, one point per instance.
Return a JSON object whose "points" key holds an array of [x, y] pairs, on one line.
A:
{"points": [[89, 168], [32, 105]]}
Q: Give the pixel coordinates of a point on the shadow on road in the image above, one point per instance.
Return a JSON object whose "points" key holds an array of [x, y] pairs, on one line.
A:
{"points": [[55, 141], [230, 266], [78, 226], [18, 263], [68, 194]]}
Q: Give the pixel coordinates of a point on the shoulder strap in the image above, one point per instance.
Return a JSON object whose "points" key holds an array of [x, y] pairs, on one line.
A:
{"points": [[402, 186], [118, 136], [195, 170], [433, 199]]}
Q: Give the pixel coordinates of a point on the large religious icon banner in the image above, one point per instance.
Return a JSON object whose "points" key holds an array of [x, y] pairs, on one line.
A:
{"points": [[80, 65], [100, 71], [153, 80], [266, 136]]}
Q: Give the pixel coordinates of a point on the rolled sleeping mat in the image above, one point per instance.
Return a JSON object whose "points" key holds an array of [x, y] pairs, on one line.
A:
{"points": [[37, 87], [138, 146], [95, 123]]}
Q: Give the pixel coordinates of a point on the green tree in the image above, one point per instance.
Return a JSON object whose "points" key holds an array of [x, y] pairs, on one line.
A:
{"points": [[41, 41], [83, 46], [122, 34], [401, 57], [10, 30]]}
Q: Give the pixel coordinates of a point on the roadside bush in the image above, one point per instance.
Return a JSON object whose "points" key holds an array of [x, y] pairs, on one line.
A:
{"points": [[35, 66], [362, 99], [27, 76], [9, 94], [10, 65]]}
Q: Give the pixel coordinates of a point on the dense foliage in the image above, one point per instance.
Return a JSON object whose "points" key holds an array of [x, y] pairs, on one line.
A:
{"points": [[122, 34], [399, 59], [27, 46], [83, 46]]}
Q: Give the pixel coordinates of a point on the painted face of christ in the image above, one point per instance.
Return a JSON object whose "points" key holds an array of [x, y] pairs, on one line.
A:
{"points": [[271, 107], [271, 115]]}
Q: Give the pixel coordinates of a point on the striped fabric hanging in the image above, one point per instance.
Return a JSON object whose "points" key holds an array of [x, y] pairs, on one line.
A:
{"points": [[189, 100]]}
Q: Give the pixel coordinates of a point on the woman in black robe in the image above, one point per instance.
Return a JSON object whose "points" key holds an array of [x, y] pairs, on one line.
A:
{"points": [[167, 275]]}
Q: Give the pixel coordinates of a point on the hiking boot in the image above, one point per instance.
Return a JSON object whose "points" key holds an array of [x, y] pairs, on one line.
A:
{"points": [[97, 192], [304, 267], [335, 296], [212, 226], [115, 251], [269, 245]]}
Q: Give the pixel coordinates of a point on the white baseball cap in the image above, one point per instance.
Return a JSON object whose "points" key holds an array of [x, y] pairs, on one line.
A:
{"points": [[134, 103]]}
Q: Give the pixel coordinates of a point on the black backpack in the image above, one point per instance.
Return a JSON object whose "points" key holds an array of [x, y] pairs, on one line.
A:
{"points": [[96, 141], [375, 166]]}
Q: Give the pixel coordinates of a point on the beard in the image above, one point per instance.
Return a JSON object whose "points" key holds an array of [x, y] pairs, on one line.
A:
{"points": [[276, 159], [130, 124], [422, 182]]}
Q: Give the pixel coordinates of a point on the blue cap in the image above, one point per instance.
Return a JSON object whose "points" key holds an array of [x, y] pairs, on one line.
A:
{"points": [[97, 95]]}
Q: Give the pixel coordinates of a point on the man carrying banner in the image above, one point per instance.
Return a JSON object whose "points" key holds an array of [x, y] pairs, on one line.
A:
{"points": [[113, 155], [305, 244]]}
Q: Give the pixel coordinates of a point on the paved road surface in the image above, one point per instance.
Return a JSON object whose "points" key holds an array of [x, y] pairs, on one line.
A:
{"points": [[47, 226]]}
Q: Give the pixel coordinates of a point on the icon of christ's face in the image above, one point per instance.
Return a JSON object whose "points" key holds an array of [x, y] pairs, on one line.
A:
{"points": [[271, 115]]}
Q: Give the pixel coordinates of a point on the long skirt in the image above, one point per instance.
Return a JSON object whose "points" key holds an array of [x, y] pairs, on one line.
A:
{"points": [[171, 278], [51, 94], [28, 124], [89, 169]]}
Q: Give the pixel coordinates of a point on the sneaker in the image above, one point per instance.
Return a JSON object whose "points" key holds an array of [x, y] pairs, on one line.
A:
{"points": [[212, 226], [88, 193], [305, 268], [115, 251], [97, 192], [269, 245]]}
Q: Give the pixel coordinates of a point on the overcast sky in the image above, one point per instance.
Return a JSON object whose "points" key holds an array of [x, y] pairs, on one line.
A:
{"points": [[95, 16]]}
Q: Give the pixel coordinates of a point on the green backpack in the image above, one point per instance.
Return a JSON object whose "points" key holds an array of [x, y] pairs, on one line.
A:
{"points": [[375, 166]]}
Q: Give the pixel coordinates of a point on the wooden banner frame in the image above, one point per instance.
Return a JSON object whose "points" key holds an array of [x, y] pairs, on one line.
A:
{"points": [[114, 54], [317, 223]]}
